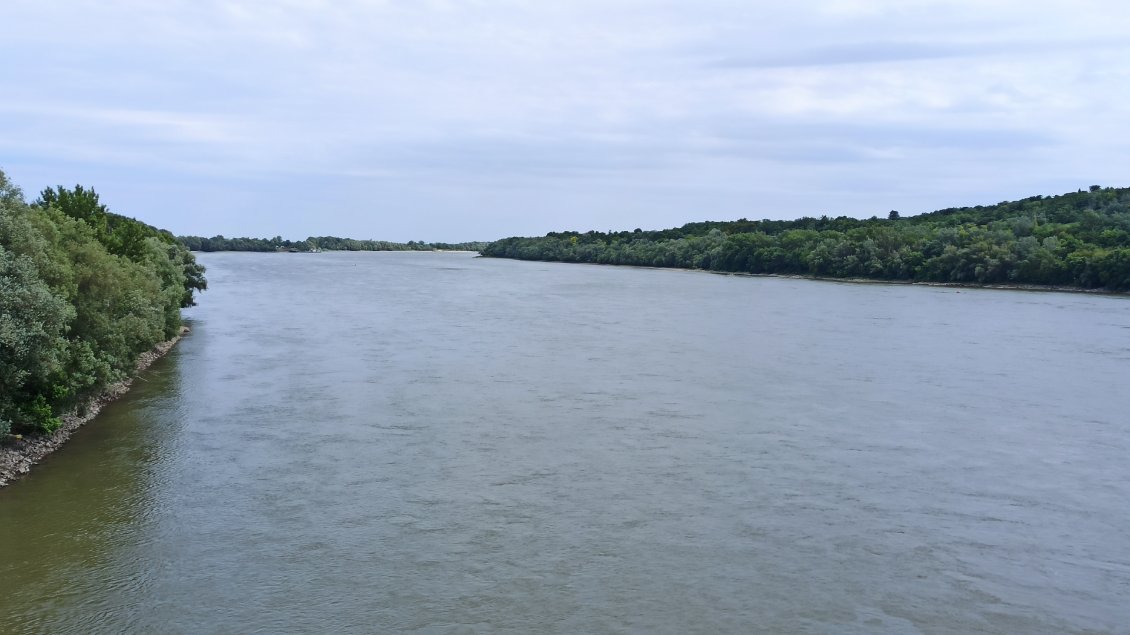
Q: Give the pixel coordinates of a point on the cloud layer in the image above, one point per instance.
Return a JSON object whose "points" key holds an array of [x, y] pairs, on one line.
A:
{"points": [[447, 120]]}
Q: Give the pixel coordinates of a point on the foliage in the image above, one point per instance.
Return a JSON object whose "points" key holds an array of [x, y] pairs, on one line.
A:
{"points": [[83, 292], [121, 235], [1080, 239], [317, 243]]}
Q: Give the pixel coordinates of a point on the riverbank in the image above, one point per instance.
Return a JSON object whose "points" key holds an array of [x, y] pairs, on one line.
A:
{"points": [[797, 276], [17, 457], [926, 283]]}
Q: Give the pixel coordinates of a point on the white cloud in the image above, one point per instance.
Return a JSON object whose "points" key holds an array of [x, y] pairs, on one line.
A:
{"points": [[719, 104]]}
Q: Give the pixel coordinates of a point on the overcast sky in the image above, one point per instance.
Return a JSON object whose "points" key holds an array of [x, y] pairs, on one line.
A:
{"points": [[445, 120]]}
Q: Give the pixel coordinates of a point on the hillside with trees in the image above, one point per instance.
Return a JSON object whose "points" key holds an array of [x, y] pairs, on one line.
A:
{"points": [[1080, 239], [317, 243], [83, 292]]}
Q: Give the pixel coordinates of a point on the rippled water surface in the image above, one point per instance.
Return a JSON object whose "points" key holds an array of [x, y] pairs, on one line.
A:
{"points": [[435, 443]]}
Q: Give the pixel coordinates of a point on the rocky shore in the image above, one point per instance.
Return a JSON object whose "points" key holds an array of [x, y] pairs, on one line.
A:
{"points": [[17, 456]]}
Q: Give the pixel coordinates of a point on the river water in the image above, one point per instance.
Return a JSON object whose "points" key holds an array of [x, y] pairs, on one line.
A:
{"points": [[436, 443]]}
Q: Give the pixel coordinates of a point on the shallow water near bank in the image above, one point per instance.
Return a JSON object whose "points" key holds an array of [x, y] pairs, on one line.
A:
{"points": [[435, 443]]}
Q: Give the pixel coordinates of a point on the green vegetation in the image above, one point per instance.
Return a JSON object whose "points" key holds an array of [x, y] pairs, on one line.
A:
{"points": [[317, 243], [83, 292], [1080, 239]]}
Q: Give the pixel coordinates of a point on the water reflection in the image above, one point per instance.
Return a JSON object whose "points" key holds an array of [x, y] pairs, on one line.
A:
{"points": [[72, 528]]}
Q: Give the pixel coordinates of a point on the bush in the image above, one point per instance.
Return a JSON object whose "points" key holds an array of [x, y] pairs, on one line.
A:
{"points": [[40, 417]]}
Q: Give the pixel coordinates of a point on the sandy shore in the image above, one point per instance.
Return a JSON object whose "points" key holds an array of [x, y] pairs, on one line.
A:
{"points": [[17, 457]]}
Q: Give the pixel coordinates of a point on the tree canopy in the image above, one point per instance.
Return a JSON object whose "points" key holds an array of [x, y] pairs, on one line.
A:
{"points": [[1080, 239], [317, 243], [83, 292]]}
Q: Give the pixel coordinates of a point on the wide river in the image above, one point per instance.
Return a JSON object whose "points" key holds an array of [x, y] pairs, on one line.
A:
{"points": [[437, 443]]}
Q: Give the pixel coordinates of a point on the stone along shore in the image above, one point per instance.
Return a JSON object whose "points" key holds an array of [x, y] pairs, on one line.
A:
{"points": [[18, 455]]}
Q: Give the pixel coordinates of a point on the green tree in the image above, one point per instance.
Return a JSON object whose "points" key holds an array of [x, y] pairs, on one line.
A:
{"points": [[33, 321], [83, 292], [1079, 238], [79, 203]]}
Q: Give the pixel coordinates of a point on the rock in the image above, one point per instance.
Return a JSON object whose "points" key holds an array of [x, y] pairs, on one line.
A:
{"points": [[19, 455]]}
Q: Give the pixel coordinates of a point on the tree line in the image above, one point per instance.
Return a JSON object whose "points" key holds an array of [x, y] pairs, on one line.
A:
{"points": [[1079, 239], [317, 243], [83, 292]]}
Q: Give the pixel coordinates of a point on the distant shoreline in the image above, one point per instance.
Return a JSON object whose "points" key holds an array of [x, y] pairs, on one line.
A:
{"points": [[338, 251], [927, 283], [18, 457], [797, 276]]}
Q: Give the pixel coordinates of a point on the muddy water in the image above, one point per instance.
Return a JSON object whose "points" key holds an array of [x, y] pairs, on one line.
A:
{"points": [[434, 443]]}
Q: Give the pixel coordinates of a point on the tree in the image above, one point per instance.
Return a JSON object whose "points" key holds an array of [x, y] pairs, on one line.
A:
{"points": [[1080, 239], [10, 193], [79, 203], [33, 321], [83, 292]]}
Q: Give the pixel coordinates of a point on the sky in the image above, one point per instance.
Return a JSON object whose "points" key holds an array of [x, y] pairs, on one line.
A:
{"points": [[440, 120]]}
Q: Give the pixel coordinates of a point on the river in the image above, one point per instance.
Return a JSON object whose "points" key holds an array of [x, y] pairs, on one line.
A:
{"points": [[437, 443]]}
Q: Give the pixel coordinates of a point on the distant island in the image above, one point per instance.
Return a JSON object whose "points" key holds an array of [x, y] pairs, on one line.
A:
{"points": [[317, 243], [1079, 240]]}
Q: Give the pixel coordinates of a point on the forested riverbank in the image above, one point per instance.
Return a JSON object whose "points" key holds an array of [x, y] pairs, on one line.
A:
{"points": [[1078, 240], [84, 292], [21, 452], [317, 243]]}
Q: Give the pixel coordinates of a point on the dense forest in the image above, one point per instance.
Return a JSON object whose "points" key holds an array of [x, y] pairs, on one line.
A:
{"points": [[317, 243], [1080, 239], [83, 292]]}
